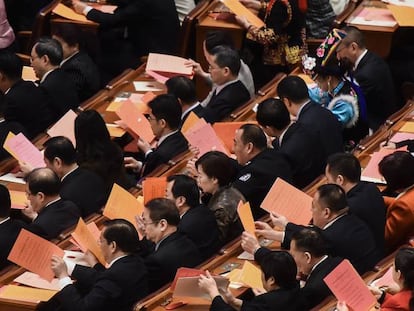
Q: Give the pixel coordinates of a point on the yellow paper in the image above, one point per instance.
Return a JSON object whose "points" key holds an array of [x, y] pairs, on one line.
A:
{"points": [[68, 13], [407, 127], [251, 276], [246, 217], [28, 74], [240, 10], [403, 14], [18, 199], [6, 146], [189, 122], [114, 106], [115, 131], [24, 293]]}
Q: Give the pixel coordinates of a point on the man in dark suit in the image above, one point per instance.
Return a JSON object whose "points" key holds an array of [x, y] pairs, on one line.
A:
{"points": [[59, 88], [81, 186], [164, 117], [76, 63], [197, 221], [371, 73], [22, 99], [294, 93], [118, 287], [229, 92], [184, 89], [259, 166], [172, 249], [9, 228], [50, 215], [301, 147], [364, 198]]}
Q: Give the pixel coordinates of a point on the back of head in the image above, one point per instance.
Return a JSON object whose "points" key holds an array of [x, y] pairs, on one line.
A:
{"points": [[282, 267], [90, 129], [162, 208], [294, 89], [216, 164], [404, 263], [273, 112], [332, 197], [227, 57], [123, 233], [345, 164], [5, 202], [252, 133], [166, 107], [60, 147], [10, 65], [216, 38], [310, 240], [353, 34], [43, 180], [51, 48], [69, 33], [398, 170], [183, 88], [185, 186]]}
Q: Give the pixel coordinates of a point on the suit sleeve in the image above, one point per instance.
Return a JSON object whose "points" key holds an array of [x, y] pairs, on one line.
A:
{"points": [[120, 17], [218, 304], [152, 161], [86, 276], [290, 229]]}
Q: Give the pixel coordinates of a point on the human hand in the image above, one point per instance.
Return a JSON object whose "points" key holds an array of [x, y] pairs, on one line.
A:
{"points": [[24, 169], [59, 267], [197, 69], [341, 306], [140, 225], [377, 292], [279, 221], [242, 21], [388, 145], [78, 6], [249, 242], [191, 168], [90, 258], [143, 145], [253, 5], [130, 162], [258, 291], [265, 230], [208, 284], [29, 212]]}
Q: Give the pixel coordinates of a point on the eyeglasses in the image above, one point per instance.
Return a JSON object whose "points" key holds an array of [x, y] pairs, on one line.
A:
{"points": [[148, 117], [210, 68]]}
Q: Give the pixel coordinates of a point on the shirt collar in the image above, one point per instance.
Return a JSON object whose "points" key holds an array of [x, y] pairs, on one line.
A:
{"points": [[187, 111], [317, 264], [301, 108], [162, 138], [51, 202], [72, 170], [46, 74], [333, 220], [66, 59], [220, 87], [4, 220], [359, 59], [115, 260], [282, 135]]}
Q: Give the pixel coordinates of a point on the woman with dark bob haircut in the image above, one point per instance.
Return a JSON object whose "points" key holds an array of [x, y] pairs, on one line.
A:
{"points": [[215, 173], [279, 282], [398, 172]]}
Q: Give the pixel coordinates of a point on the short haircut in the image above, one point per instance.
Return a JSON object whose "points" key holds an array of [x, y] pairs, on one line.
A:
{"points": [[333, 197], [183, 88], [293, 88], [216, 38], [404, 262], [227, 57], [345, 164], [282, 267], [162, 208], [185, 186], [353, 34], [398, 170], [69, 33], [123, 233], [252, 133], [217, 165], [51, 48], [310, 240], [5, 202], [60, 147], [273, 112], [166, 107], [10, 65], [43, 180]]}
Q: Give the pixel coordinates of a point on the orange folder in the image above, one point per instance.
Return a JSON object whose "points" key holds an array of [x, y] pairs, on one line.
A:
{"points": [[246, 217], [122, 204], [226, 132], [285, 199], [240, 10], [191, 120], [87, 239], [407, 127], [34, 254], [346, 284], [68, 13], [154, 187], [28, 74], [65, 127], [23, 293], [135, 120], [249, 275], [403, 14], [114, 130], [184, 272], [18, 199]]}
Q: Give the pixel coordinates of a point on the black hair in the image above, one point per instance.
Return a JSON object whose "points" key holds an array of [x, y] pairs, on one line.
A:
{"points": [[398, 170], [43, 180], [51, 48], [273, 112], [5, 202], [345, 164], [252, 133], [11, 65], [353, 34], [404, 262], [185, 186], [216, 38], [333, 197], [217, 165], [60, 147], [162, 208], [282, 267], [293, 88], [123, 233], [310, 240], [183, 88], [166, 107], [227, 57], [69, 33]]}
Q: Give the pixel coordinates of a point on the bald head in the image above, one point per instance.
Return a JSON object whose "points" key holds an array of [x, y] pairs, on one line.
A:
{"points": [[43, 180]]}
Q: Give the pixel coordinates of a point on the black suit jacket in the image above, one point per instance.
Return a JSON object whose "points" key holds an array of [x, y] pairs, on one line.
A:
{"points": [[84, 188], [226, 101], [198, 110], [173, 252], [348, 237], [116, 288], [279, 299], [374, 77], [366, 202], [255, 179], [172, 146], [55, 218], [26, 104], [304, 152], [61, 93], [200, 226], [324, 124], [5, 128], [9, 230], [84, 73]]}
